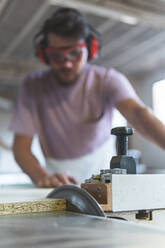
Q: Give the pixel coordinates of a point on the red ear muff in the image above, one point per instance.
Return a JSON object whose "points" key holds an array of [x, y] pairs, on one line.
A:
{"points": [[94, 48], [40, 54]]}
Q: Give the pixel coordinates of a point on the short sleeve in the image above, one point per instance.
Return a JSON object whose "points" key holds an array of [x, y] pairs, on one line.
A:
{"points": [[23, 118], [118, 88]]}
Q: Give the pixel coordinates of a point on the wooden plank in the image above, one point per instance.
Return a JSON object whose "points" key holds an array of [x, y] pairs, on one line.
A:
{"points": [[28, 200], [45, 205]]}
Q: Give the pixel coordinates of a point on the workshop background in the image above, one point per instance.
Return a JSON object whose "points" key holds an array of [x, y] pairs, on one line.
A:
{"points": [[133, 43]]}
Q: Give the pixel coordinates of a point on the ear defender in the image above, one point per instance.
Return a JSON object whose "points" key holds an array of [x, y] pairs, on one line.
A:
{"points": [[94, 50], [40, 44], [40, 54], [94, 41]]}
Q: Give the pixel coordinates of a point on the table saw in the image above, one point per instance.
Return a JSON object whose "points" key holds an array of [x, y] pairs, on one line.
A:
{"points": [[33, 221], [116, 208]]}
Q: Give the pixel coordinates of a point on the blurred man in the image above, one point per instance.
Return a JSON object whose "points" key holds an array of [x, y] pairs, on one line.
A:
{"points": [[70, 105]]}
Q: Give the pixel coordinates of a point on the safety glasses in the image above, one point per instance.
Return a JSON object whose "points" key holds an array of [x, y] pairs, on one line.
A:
{"points": [[60, 55]]}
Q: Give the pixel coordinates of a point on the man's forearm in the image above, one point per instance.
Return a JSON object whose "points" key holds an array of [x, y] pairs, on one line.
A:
{"points": [[150, 126], [30, 165], [143, 120]]}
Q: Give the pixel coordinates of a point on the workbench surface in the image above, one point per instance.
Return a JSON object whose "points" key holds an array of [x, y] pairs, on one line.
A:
{"points": [[71, 230]]}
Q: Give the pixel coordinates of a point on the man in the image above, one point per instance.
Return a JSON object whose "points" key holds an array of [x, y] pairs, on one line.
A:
{"points": [[70, 105]]}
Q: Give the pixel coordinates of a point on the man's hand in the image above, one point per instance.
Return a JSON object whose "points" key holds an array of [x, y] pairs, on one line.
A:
{"points": [[56, 179]]}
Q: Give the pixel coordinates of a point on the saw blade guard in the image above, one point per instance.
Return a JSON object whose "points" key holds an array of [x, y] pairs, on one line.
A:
{"points": [[78, 200]]}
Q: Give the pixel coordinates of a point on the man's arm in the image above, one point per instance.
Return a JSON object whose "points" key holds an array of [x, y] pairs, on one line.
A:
{"points": [[31, 166], [143, 120]]}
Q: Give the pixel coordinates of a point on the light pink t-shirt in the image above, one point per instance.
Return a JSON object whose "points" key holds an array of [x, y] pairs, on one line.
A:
{"points": [[74, 120]]}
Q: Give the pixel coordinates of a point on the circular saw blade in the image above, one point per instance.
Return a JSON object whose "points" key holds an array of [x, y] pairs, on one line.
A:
{"points": [[78, 200]]}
